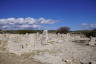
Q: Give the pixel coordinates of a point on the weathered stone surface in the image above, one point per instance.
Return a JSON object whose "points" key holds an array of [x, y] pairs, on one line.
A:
{"points": [[7, 58], [92, 41], [48, 48]]}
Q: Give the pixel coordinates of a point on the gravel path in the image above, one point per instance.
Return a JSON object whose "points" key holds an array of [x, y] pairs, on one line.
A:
{"points": [[72, 52]]}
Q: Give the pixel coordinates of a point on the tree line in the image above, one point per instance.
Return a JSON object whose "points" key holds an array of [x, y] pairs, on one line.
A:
{"points": [[61, 30]]}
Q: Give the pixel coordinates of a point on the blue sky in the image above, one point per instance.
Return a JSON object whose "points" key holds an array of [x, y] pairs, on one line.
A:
{"points": [[53, 13]]}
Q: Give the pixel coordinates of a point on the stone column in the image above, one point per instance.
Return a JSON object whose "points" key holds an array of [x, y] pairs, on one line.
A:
{"points": [[92, 41], [45, 37], [38, 42]]}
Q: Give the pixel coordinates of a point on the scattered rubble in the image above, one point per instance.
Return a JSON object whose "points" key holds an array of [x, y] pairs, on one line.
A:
{"points": [[51, 48]]}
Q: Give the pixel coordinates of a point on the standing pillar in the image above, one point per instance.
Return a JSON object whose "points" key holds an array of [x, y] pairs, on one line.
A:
{"points": [[92, 41], [45, 37]]}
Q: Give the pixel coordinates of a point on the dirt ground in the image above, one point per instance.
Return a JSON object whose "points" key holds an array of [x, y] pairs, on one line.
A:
{"points": [[7, 58]]}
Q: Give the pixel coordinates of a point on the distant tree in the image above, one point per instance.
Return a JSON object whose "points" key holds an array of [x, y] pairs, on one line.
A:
{"points": [[93, 33], [90, 33], [63, 30], [94, 29]]}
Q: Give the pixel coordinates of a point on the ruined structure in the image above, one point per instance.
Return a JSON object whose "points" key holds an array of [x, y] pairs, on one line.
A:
{"points": [[55, 48]]}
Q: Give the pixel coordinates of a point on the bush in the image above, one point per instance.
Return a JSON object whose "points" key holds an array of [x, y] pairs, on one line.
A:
{"points": [[88, 33], [63, 30]]}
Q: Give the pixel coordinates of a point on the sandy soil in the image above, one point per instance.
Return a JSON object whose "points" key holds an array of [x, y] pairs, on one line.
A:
{"points": [[7, 58]]}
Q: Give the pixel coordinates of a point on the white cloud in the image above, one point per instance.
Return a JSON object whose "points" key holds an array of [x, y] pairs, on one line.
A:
{"points": [[46, 21], [24, 26], [30, 20], [84, 24], [24, 23], [5, 26], [36, 26], [31, 26], [18, 20], [88, 26]]}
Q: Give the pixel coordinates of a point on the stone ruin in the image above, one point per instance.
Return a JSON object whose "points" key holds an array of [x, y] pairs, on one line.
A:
{"points": [[45, 37], [55, 48], [20, 43], [92, 41]]}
